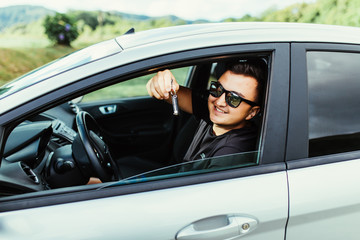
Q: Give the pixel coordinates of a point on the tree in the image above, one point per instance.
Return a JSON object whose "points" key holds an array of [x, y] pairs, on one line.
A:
{"points": [[61, 29], [90, 18]]}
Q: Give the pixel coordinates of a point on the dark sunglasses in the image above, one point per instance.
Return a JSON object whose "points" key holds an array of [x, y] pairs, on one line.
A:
{"points": [[231, 98]]}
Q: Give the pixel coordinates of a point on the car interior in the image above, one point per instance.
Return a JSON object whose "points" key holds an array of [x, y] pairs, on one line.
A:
{"points": [[103, 134]]}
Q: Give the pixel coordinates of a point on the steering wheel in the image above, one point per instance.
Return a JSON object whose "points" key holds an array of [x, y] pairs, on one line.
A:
{"points": [[96, 149]]}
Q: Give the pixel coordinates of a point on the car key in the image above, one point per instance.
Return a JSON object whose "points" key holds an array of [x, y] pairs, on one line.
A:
{"points": [[174, 100]]}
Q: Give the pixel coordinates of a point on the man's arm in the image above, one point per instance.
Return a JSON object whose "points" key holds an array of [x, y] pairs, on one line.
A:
{"points": [[162, 83]]}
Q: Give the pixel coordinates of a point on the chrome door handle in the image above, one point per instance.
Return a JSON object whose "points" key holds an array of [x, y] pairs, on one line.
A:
{"points": [[218, 227]]}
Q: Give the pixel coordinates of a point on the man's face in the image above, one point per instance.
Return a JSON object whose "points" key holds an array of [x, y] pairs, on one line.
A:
{"points": [[226, 118]]}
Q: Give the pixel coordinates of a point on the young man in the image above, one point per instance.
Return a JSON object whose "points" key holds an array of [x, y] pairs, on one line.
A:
{"points": [[233, 101]]}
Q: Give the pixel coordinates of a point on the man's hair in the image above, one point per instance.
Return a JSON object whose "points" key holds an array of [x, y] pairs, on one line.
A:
{"points": [[250, 67]]}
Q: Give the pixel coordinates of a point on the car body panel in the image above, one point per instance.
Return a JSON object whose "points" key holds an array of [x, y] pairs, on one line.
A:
{"points": [[242, 33], [155, 214], [323, 197]]}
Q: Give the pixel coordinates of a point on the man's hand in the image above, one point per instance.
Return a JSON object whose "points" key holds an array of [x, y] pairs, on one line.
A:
{"points": [[94, 180], [161, 84]]}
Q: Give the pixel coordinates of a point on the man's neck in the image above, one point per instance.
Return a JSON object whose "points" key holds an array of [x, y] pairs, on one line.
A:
{"points": [[220, 129]]}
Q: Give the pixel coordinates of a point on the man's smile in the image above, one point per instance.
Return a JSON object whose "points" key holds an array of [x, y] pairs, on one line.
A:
{"points": [[219, 110]]}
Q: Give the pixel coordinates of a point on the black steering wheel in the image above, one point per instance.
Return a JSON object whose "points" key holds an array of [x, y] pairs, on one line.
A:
{"points": [[96, 149]]}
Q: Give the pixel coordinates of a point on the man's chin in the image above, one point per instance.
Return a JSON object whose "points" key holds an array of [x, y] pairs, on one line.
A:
{"points": [[217, 120]]}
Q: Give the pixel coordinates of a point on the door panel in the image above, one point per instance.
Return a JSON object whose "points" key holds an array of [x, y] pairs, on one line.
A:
{"points": [[139, 126], [159, 214], [325, 202]]}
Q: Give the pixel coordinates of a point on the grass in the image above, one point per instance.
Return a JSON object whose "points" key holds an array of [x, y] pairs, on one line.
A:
{"points": [[25, 47]]}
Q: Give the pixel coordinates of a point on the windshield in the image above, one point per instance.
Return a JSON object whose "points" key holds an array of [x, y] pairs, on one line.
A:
{"points": [[73, 60]]}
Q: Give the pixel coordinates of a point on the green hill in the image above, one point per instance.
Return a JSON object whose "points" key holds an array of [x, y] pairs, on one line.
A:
{"points": [[21, 14]]}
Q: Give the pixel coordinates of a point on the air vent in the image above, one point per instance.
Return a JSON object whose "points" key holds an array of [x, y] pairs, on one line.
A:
{"points": [[30, 173]]}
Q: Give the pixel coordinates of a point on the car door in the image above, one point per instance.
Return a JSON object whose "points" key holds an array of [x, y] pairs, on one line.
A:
{"points": [[323, 148], [245, 201]]}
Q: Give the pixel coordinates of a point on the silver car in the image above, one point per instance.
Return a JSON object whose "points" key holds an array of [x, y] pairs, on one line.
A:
{"points": [[89, 115]]}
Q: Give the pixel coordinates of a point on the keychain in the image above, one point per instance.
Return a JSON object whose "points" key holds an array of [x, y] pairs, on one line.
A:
{"points": [[174, 100]]}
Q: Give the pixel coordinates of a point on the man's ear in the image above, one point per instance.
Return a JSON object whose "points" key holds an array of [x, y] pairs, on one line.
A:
{"points": [[252, 113]]}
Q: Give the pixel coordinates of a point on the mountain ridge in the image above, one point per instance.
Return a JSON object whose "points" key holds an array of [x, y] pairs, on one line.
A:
{"points": [[20, 14]]}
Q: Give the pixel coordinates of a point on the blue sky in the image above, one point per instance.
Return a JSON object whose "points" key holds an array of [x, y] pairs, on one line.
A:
{"points": [[213, 10]]}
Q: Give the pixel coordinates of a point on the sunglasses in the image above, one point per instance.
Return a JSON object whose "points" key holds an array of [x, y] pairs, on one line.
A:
{"points": [[231, 98]]}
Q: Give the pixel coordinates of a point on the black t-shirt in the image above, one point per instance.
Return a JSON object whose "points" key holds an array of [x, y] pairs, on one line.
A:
{"points": [[206, 144]]}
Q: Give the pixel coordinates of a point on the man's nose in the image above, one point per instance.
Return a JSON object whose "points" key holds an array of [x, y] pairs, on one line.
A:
{"points": [[221, 100]]}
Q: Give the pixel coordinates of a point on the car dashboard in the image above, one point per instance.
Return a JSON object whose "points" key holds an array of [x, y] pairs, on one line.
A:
{"points": [[28, 162]]}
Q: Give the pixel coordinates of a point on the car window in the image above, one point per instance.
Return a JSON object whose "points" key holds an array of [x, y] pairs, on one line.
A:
{"points": [[134, 88], [334, 116]]}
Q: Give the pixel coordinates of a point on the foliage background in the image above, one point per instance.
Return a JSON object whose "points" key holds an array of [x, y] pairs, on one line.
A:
{"points": [[24, 45]]}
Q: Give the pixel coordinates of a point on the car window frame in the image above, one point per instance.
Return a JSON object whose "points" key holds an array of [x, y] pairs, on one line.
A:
{"points": [[273, 137], [298, 132]]}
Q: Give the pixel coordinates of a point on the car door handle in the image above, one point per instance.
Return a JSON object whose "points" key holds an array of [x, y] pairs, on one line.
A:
{"points": [[218, 227], [108, 109]]}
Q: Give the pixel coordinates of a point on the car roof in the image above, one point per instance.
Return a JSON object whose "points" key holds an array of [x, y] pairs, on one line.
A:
{"points": [[258, 32]]}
